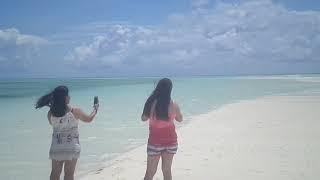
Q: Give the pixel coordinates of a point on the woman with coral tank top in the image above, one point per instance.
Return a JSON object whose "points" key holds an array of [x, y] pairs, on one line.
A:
{"points": [[161, 112]]}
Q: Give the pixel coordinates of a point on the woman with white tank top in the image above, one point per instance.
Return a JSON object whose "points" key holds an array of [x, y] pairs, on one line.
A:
{"points": [[65, 145]]}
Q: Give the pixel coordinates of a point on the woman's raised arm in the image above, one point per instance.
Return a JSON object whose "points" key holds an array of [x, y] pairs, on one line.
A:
{"points": [[79, 114]]}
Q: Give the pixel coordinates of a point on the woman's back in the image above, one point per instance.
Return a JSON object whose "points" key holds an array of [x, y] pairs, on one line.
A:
{"points": [[65, 123], [65, 146], [161, 112], [162, 132], [65, 137]]}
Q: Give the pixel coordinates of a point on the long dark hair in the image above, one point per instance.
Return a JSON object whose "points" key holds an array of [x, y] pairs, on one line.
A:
{"points": [[56, 100], [162, 95]]}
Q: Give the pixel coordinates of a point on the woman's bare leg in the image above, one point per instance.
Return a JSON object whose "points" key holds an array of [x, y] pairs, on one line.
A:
{"points": [[152, 165], [56, 170], [69, 168], [166, 165]]}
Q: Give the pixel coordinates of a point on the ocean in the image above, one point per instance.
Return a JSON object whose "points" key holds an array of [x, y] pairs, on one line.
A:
{"points": [[26, 134]]}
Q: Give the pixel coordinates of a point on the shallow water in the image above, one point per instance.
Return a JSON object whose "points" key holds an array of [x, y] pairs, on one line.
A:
{"points": [[26, 134]]}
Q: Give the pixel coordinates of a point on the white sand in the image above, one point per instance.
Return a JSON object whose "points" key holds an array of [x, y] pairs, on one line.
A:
{"points": [[274, 138]]}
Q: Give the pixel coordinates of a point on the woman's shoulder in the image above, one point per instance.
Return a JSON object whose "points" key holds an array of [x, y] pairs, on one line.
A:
{"points": [[75, 111], [73, 108], [174, 103], [173, 106]]}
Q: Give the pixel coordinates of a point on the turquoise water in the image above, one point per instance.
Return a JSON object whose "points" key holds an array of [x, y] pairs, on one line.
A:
{"points": [[26, 135]]}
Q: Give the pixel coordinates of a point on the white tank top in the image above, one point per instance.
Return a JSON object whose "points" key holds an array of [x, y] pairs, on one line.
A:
{"points": [[65, 136]]}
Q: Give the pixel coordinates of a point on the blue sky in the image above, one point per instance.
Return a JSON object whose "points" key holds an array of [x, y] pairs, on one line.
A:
{"points": [[184, 37], [42, 17]]}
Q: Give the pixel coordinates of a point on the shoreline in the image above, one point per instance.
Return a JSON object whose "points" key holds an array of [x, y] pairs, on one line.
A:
{"points": [[225, 144]]}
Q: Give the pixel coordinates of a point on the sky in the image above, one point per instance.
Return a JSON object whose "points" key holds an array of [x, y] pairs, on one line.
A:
{"points": [[112, 38]]}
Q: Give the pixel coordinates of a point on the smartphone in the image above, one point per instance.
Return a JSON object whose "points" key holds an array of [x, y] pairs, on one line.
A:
{"points": [[95, 102]]}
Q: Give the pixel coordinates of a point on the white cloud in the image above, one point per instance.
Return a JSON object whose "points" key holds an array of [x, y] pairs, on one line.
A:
{"points": [[18, 50], [257, 34], [199, 3], [12, 37]]}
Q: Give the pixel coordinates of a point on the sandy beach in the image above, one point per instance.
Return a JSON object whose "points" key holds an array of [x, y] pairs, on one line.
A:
{"points": [[267, 138]]}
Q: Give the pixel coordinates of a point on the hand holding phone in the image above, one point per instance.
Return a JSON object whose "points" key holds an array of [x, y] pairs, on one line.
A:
{"points": [[96, 103]]}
